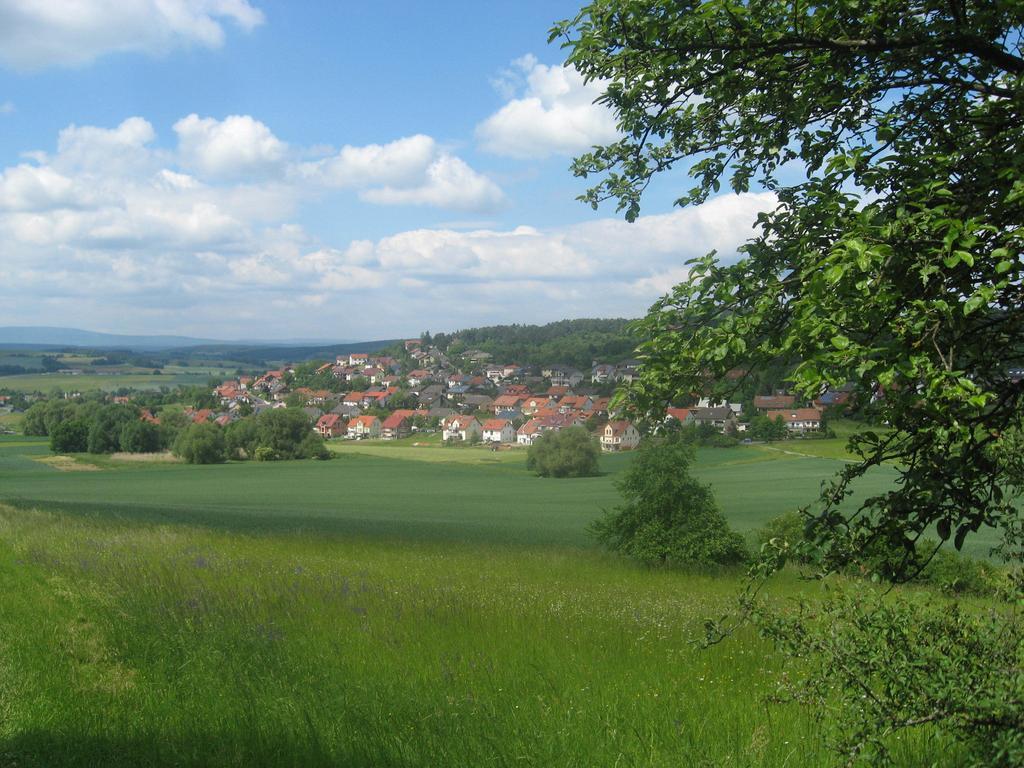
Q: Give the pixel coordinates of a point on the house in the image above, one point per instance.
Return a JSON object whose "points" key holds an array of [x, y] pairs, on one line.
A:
{"points": [[705, 402], [358, 358], [831, 398], [764, 403], [531, 405], [505, 403], [417, 377], [330, 425], [619, 436], [495, 372], [717, 416], [602, 372], [516, 389], [397, 425], [571, 403], [538, 425], [364, 426], [798, 419], [464, 428], [679, 414], [498, 431], [477, 402], [562, 376]]}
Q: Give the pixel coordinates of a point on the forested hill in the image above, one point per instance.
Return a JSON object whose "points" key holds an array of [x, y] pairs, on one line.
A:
{"points": [[572, 342]]}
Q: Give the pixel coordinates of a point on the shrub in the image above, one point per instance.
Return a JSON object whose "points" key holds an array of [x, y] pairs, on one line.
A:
{"points": [[788, 534], [571, 452], [668, 517]]}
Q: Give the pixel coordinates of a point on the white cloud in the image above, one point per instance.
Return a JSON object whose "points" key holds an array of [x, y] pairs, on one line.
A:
{"points": [[234, 147], [7, 108], [411, 171], [110, 226], [555, 113], [35, 35], [400, 162], [448, 183]]}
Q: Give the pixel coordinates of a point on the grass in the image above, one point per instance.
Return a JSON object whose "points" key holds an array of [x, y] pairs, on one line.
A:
{"points": [[108, 382], [127, 643]]}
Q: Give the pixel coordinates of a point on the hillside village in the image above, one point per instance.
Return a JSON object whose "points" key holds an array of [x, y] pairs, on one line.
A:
{"points": [[471, 399]]}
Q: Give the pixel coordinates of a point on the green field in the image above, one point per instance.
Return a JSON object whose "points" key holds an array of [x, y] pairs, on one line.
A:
{"points": [[402, 490], [90, 382], [399, 605]]}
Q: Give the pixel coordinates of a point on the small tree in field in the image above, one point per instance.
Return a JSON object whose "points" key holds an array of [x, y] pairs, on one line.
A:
{"points": [[668, 517], [569, 452]]}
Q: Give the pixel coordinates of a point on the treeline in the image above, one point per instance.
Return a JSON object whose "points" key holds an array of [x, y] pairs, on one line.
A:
{"points": [[572, 342], [47, 364], [102, 428]]}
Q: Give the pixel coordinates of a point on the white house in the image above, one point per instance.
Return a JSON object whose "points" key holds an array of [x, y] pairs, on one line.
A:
{"points": [[619, 436], [798, 419], [499, 431], [464, 428], [364, 426]]}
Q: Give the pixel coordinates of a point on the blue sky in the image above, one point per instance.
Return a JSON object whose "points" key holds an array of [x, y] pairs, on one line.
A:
{"points": [[259, 168]]}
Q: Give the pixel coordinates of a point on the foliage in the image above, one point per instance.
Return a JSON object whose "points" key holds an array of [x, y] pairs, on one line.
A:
{"points": [[106, 427], [882, 666], [286, 432], [200, 444], [668, 517], [763, 428], [70, 436], [571, 452], [571, 342], [893, 264], [138, 436]]}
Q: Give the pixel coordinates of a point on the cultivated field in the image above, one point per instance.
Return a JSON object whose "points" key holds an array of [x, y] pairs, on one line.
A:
{"points": [[399, 605]]}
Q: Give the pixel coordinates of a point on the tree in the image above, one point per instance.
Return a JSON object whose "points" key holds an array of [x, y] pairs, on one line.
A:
{"points": [[571, 452], [70, 436], [106, 426], [140, 437], [893, 262], [667, 516], [200, 444], [888, 132], [282, 431]]}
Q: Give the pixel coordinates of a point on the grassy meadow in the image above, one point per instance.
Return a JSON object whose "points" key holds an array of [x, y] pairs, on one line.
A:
{"points": [[405, 605]]}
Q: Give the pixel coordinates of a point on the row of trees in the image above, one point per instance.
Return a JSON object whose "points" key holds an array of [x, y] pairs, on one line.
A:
{"points": [[92, 426]]}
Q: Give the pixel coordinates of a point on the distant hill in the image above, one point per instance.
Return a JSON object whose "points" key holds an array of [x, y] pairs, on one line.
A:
{"points": [[52, 337]]}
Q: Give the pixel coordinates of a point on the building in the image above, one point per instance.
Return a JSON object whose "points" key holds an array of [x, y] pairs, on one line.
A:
{"points": [[619, 436], [798, 419], [362, 427], [498, 431], [461, 428], [330, 425]]}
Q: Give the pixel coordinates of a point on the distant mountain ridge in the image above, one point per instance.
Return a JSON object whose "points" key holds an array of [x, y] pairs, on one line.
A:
{"points": [[46, 336]]}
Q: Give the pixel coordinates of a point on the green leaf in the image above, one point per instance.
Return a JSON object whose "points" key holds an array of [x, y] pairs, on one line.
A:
{"points": [[973, 304], [840, 342]]}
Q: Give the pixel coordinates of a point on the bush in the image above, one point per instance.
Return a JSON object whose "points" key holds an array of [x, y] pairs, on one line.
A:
{"points": [[668, 517], [787, 533], [201, 444], [569, 452]]}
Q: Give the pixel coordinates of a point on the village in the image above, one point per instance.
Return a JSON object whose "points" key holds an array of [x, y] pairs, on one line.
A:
{"points": [[470, 400]]}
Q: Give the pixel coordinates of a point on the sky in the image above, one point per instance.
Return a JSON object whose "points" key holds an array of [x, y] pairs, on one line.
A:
{"points": [[271, 169]]}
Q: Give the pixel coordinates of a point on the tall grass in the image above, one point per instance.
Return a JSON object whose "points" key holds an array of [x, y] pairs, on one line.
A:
{"points": [[127, 643]]}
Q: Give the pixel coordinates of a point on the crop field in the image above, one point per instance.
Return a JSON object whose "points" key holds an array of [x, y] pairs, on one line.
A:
{"points": [[90, 382], [400, 490], [403, 604]]}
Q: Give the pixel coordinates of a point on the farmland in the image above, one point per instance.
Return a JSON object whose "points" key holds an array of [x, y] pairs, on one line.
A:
{"points": [[399, 605]]}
